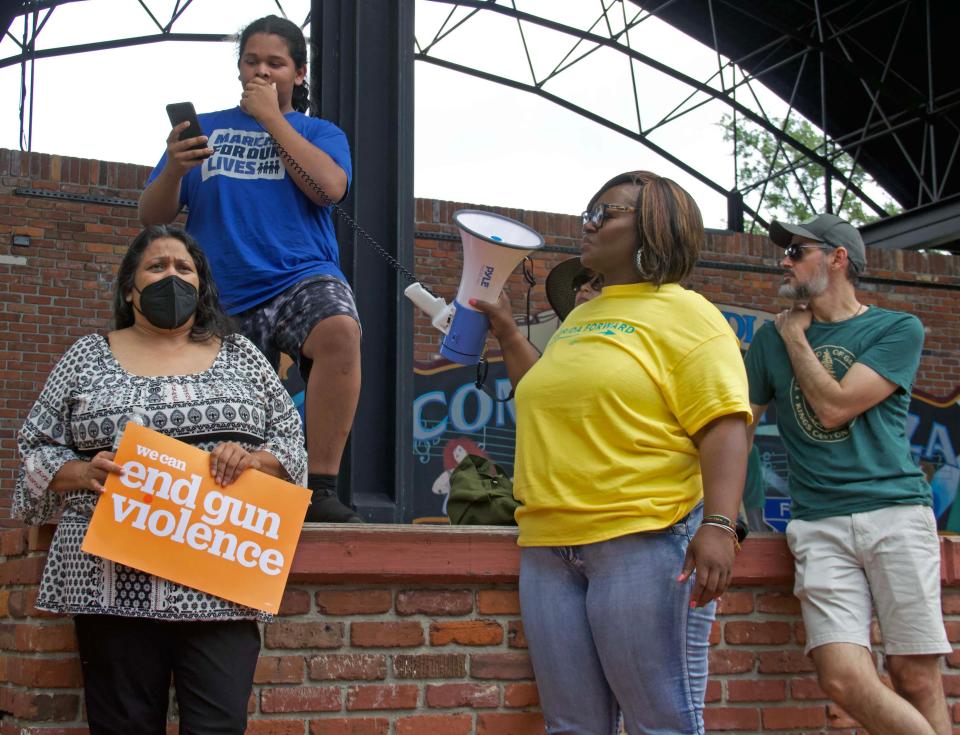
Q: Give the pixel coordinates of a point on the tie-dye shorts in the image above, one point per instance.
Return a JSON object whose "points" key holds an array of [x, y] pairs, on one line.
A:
{"points": [[282, 324]]}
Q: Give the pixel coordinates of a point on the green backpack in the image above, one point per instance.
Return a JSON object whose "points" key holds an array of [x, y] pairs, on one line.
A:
{"points": [[481, 494]]}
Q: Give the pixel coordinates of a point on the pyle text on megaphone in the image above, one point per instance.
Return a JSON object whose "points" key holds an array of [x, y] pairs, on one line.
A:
{"points": [[493, 245]]}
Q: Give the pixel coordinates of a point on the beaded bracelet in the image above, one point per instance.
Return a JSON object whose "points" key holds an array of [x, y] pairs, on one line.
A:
{"points": [[731, 531]]}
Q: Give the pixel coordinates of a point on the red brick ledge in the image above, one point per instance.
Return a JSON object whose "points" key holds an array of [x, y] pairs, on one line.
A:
{"points": [[387, 553], [393, 553]]}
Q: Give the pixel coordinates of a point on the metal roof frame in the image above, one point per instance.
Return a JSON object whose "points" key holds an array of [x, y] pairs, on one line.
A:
{"points": [[875, 101], [878, 78]]}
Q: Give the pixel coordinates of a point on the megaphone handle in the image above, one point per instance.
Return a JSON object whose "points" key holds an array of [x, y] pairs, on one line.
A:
{"points": [[482, 365]]}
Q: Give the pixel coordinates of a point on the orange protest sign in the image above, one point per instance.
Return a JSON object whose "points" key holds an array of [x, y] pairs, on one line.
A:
{"points": [[166, 516]]}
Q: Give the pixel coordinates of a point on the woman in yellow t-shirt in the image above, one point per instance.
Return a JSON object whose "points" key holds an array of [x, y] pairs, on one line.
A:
{"points": [[630, 462]]}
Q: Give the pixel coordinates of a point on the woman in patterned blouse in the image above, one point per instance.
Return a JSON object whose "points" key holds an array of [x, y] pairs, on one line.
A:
{"points": [[173, 361]]}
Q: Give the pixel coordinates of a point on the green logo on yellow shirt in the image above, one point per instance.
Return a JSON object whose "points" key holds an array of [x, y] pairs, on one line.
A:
{"points": [[836, 360], [606, 328]]}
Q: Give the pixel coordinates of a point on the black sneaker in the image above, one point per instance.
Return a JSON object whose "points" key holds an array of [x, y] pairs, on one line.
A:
{"points": [[325, 507]]}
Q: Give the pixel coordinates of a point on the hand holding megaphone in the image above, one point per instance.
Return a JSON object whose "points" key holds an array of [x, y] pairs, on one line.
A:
{"points": [[500, 315], [493, 245]]}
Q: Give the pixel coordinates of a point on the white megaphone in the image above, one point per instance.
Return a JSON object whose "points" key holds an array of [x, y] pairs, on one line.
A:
{"points": [[492, 247]]}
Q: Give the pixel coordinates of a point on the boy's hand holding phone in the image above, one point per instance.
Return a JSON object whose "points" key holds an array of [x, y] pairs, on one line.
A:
{"points": [[186, 145]]}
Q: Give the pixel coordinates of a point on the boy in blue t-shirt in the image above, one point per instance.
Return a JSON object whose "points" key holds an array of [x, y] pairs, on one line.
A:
{"points": [[269, 236]]}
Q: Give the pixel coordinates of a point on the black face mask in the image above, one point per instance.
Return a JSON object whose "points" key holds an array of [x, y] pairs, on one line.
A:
{"points": [[168, 303]]}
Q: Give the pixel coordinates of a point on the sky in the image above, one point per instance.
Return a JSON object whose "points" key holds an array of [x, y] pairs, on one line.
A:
{"points": [[475, 141]]}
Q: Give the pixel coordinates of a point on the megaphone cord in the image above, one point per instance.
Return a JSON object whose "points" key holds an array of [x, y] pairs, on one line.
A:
{"points": [[481, 381], [528, 277], [531, 281], [357, 229]]}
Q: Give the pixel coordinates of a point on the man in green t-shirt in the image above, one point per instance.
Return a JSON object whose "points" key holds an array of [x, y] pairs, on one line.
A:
{"points": [[862, 525]]}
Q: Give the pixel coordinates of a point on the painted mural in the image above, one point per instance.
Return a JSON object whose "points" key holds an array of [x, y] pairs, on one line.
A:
{"points": [[452, 417]]}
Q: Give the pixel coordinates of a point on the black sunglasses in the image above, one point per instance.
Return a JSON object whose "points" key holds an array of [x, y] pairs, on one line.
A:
{"points": [[597, 215], [795, 251]]}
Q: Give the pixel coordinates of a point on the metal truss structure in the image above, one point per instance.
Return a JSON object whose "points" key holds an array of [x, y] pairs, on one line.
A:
{"points": [[887, 98], [877, 77], [611, 28], [863, 71], [873, 75], [24, 20]]}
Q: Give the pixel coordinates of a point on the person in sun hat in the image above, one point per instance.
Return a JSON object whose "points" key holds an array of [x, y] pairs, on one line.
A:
{"points": [[570, 284], [863, 534]]}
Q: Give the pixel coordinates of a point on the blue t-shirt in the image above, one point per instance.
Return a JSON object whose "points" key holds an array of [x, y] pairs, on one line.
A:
{"points": [[261, 233], [865, 464]]}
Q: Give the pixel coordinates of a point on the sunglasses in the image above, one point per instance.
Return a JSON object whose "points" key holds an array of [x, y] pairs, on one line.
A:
{"points": [[795, 251], [598, 214]]}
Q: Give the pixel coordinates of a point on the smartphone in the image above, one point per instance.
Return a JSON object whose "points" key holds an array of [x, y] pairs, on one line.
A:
{"points": [[179, 112]]}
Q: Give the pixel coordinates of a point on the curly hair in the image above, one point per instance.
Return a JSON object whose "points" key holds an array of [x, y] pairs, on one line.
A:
{"points": [[296, 45], [669, 225], [209, 320]]}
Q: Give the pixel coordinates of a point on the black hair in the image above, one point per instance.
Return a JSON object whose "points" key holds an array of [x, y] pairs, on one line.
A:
{"points": [[296, 45], [209, 320], [584, 276]]}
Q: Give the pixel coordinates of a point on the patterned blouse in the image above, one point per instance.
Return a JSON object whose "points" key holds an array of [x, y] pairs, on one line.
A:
{"points": [[238, 398]]}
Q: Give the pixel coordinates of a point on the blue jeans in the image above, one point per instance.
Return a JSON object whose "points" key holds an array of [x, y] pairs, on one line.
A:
{"points": [[610, 629]]}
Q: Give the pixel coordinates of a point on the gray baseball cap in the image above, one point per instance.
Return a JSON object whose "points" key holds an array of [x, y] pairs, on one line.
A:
{"points": [[828, 229]]}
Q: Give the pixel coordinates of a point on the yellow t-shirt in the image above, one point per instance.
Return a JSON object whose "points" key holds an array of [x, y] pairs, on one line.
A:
{"points": [[605, 416]]}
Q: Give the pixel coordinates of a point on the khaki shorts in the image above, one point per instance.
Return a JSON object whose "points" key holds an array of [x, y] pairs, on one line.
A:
{"points": [[890, 557]]}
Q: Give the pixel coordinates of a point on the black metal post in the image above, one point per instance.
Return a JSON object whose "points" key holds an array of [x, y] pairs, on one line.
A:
{"points": [[934, 184], [827, 183], [735, 211], [362, 80]]}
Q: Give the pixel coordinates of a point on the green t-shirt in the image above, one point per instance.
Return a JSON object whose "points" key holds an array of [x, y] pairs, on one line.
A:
{"points": [[865, 464], [753, 492]]}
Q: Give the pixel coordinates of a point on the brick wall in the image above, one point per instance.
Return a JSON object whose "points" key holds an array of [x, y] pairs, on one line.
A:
{"points": [[735, 269], [395, 639], [58, 287], [376, 637]]}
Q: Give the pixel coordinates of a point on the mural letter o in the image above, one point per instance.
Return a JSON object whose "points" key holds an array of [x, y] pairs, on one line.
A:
{"points": [[484, 408], [422, 432]]}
